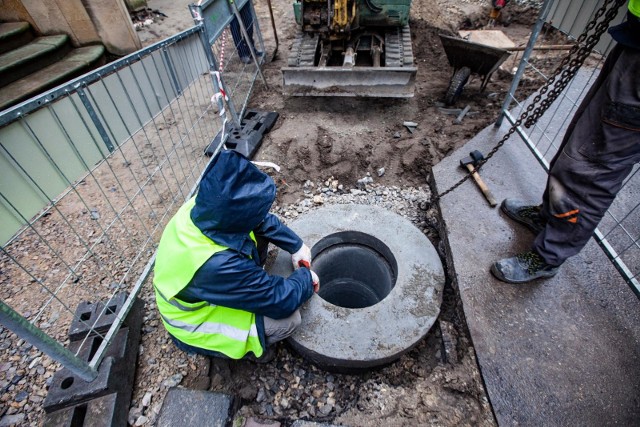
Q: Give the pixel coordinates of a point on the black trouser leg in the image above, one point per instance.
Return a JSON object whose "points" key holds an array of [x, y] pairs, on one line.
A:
{"points": [[596, 155]]}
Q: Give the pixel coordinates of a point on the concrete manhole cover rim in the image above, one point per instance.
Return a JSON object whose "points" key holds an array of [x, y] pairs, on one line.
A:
{"points": [[362, 337]]}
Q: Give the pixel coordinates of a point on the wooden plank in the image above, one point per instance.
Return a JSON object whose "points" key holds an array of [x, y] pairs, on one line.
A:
{"points": [[493, 38]]}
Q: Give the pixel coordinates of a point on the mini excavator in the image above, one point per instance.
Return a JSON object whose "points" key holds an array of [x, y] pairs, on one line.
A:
{"points": [[351, 48]]}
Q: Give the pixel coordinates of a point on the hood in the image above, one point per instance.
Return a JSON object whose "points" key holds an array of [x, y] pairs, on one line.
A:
{"points": [[627, 33], [234, 197]]}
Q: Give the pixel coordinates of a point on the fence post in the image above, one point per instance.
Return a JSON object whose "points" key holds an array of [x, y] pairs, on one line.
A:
{"points": [[27, 331], [96, 121], [199, 16], [544, 12]]}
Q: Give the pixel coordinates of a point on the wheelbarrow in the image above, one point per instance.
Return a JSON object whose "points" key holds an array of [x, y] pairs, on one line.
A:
{"points": [[468, 57]]}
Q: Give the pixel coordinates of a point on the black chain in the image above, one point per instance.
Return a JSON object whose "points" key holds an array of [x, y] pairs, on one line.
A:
{"points": [[567, 69]]}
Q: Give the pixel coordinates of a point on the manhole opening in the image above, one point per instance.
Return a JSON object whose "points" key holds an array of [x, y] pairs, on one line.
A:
{"points": [[356, 270]]}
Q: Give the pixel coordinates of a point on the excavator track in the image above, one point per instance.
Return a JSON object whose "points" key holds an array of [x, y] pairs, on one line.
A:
{"points": [[398, 51], [395, 79], [304, 50]]}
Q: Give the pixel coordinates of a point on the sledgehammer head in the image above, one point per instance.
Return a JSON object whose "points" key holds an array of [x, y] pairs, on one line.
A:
{"points": [[474, 158]]}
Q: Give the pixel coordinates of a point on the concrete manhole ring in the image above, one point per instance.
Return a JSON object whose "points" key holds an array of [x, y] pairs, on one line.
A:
{"points": [[381, 286]]}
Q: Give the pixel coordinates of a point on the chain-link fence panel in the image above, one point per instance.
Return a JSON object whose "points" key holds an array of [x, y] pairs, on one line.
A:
{"points": [[91, 173], [232, 33]]}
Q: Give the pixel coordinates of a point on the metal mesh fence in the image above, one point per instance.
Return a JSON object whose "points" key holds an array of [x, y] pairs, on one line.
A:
{"points": [[233, 33], [619, 231], [93, 170]]}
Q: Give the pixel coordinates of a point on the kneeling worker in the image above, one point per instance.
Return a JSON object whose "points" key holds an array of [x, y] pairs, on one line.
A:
{"points": [[213, 295]]}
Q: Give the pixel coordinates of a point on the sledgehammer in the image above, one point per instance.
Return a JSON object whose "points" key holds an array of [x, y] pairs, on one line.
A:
{"points": [[470, 163]]}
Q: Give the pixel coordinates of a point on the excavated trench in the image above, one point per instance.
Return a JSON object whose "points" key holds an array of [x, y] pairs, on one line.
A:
{"points": [[381, 287]]}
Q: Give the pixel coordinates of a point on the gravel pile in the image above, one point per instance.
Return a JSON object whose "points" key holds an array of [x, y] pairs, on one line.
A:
{"points": [[25, 374], [411, 203]]}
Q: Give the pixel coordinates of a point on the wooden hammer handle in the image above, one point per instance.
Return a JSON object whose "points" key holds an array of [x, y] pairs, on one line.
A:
{"points": [[483, 187]]}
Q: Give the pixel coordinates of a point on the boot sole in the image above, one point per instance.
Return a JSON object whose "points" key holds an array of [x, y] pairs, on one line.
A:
{"points": [[519, 220], [498, 274]]}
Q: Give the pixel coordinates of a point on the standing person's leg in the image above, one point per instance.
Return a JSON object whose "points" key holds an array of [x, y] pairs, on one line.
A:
{"points": [[241, 44], [597, 153], [589, 171], [533, 216], [247, 19], [238, 40], [607, 67]]}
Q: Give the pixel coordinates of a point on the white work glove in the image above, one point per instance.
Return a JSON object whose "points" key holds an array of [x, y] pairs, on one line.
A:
{"points": [[302, 258], [316, 281]]}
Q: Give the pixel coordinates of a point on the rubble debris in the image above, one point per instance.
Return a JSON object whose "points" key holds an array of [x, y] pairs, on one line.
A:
{"points": [[145, 17], [362, 182], [451, 111], [463, 113], [411, 126], [449, 342]]}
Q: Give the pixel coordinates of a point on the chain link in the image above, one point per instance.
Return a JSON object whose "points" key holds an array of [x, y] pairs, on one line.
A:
{"points": [[567, 69]]}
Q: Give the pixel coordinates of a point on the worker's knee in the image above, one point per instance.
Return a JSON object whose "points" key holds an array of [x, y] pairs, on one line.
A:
{"points": [[293, 322], [277, 330], [297, 319]]}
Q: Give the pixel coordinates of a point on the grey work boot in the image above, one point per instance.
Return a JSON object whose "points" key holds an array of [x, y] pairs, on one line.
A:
{"points": [[525, 214], [522, 268]]}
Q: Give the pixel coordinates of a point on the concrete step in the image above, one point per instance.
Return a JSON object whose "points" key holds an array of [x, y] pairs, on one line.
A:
{"points": [[14, 35], [27, 59], [76, 63]]}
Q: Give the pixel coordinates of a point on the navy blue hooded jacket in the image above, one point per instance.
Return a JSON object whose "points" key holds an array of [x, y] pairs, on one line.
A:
{"points": [[234, 199]]}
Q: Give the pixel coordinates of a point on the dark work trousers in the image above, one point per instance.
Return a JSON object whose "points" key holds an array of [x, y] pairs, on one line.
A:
{"points": [[236, 32], [599, 150]]}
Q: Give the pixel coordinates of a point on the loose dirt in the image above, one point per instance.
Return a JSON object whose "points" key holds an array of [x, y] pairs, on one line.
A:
{"points": [[348, 137]]}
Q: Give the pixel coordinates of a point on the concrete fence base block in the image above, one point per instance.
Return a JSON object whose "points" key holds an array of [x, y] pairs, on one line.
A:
{"points": [[95, 317], [100, 412], [115, 374], [248, 138]]}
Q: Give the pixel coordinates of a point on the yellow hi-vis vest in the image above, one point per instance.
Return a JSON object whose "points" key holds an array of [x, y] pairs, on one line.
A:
{"points": [[182, 251], [634, 7]]}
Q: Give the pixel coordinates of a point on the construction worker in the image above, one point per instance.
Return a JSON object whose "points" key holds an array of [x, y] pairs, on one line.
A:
{"points": [[244, 52], [599, 149], [213, 295], [496, 11]]}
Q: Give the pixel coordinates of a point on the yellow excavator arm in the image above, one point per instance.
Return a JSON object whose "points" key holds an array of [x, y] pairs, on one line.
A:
{"points": [[341, 19]]}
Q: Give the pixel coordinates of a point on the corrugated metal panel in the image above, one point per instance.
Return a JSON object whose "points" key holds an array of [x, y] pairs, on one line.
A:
{"points": [[52, 147], [572, 17]]}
